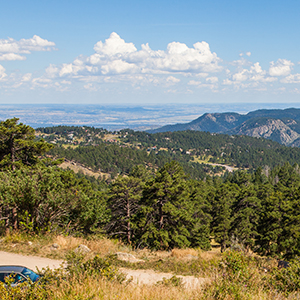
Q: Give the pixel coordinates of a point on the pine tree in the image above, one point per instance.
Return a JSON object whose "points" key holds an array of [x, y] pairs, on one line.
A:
{"points": [[246, 210], [201, 194], [222, 213], [18, 145], [167, 209], [124, 202]]}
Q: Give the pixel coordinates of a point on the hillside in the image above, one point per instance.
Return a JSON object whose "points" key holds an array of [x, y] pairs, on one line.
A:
{"points": [[116, 153], [278, 125]]}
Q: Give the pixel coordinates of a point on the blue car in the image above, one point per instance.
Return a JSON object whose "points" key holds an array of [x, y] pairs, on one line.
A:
{"points": [[18, 273]]}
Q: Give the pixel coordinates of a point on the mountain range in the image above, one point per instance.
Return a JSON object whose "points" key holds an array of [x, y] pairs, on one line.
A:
{"points": [[280, 125]]}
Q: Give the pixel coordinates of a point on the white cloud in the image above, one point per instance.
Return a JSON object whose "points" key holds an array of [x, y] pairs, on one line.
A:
{"points": [[114, 45], [228, 82], [116, 61], [116, 57], [292, 78], [26, 77], [212, 79], [90, 87], [254, 74], [11, 56], [282, 67], [241, 76], [118, 67], [52, 71], [2, 73], [247, 53], [172, 79], [11, 49], [194, 82]]}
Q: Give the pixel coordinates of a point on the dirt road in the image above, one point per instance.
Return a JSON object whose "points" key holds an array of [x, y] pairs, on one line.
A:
{"points": [[31, 262], [150, 277], [139, 277]]}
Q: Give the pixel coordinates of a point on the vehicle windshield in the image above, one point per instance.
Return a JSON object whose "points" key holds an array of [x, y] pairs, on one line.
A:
{"points": [[28, 273]]}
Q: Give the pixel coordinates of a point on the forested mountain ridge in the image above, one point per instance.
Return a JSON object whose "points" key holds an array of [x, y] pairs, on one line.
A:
{"points": [[119, 152], [282, 126]]}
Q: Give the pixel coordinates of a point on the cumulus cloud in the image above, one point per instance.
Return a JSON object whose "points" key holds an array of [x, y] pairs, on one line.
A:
{"points": [[114, 56], [114, 45], [11, 56], [282, 67], [254, 75], [292, 78], [117, 61], [10, 49]]}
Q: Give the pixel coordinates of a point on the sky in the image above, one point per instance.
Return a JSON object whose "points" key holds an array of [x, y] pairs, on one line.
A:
{"points": [[149, 52]]}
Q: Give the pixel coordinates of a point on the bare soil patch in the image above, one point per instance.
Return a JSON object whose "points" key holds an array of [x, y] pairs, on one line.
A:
{"points": [[79, 168]]}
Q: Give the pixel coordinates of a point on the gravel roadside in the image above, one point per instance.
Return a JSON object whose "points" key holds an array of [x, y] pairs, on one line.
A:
{"points": [[31, 262]]}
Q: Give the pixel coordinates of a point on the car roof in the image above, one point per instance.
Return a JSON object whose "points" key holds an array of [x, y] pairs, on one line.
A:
{"points": [[12, 268]]}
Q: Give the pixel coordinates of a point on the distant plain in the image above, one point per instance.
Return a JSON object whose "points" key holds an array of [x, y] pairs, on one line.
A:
{"points": [[116, 117]]}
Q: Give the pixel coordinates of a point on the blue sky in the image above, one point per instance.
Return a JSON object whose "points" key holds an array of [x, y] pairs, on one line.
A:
{"points": [[149, 52]]}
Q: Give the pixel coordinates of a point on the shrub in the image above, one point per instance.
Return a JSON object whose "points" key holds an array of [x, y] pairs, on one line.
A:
{"points": [[173, 281], [77, 265], [25, 290], [286, 280]]}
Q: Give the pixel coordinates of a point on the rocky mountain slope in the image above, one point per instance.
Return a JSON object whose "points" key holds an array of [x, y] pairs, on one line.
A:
{"points": [[282, 126]]}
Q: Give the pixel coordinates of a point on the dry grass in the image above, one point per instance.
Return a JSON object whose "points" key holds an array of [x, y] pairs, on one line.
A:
{"points": [[210, 255], [103, 246], [182, 253], [97, 289], [100, 289], [42, 245]]}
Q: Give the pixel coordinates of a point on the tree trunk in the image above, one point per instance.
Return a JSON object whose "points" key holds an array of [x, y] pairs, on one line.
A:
{"points": [[7, 221], [128, 223], [161, 217], [12, 153], [14, 218]]}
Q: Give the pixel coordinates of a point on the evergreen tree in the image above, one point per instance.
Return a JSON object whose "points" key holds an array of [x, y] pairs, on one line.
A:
{"points": [[124, 201], [222, 213], [18, 145], [167, 209], [201, 193], [245, 219]]}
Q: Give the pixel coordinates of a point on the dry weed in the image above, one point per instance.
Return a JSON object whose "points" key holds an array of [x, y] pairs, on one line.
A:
{"points": [[102, 246], [210, 255], [182, 253], [97, 289]]}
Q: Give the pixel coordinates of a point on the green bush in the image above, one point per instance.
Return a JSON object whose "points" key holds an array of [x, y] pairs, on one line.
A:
{"points": [[236, 263], [24, 291], [237, 278], [77, 265], [173, 281], [286, 280]]}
